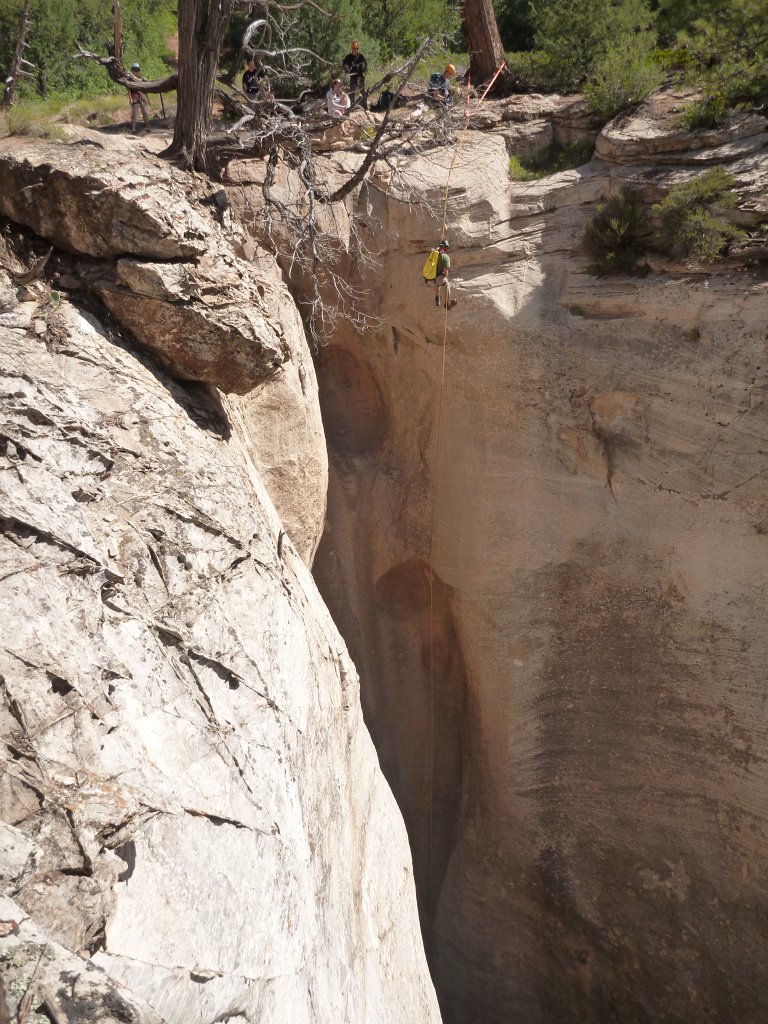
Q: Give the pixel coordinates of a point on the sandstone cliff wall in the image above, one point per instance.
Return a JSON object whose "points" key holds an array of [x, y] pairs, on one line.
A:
{"points": [[573, 715], [195, 827]]}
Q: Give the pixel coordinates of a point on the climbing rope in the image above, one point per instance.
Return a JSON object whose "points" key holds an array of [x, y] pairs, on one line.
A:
{"points": [[435, 494]]}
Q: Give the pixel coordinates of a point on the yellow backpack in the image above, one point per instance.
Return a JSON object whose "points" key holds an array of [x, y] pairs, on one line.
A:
{"points": [[429, 272]]}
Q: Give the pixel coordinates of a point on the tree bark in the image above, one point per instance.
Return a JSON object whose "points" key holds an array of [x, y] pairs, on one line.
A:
{"points": [[16, 70], [202, 26], [486, 52], [118, 32]]}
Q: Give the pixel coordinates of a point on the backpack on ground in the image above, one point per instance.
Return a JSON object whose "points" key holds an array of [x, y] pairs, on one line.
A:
{"points": [[429, 273], [384, 101]]}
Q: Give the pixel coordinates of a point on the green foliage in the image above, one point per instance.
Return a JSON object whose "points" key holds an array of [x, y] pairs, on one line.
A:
{"points": [[622, 76], [29, 120], [574, 34], [691, 222], [515, 23], [530, 70], [550, 160], [707, 112], [400, 26], [728, 48], [59, 26], [615, 235]]}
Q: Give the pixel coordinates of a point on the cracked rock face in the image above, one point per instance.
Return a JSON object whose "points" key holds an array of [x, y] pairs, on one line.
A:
{"points": [[185, 296], [568, 696], [176, 283], [191, 798], [87, 198]]}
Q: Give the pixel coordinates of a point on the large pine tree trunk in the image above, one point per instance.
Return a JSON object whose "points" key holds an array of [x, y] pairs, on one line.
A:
{"points": [[484, 43], [202, 26], [16, 69]]}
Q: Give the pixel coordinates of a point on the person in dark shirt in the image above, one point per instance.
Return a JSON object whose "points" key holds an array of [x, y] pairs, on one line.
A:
{"points": [[255, 82], [439, 88], [356, 65]]}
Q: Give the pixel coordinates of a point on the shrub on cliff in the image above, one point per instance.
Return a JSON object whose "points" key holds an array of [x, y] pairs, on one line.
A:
{"points": [[622, 76], [691, 222], [615, 236], [576, 34], [550, 160], [727, 48]]}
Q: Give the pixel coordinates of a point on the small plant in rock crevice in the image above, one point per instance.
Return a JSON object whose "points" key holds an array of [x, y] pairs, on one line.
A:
{"points": [[550, 160], [615, 237], [691, 223]]}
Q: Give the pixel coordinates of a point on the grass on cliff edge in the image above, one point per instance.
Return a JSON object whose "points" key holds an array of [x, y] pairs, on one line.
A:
{"points": [[551, 160], [41, 118]]}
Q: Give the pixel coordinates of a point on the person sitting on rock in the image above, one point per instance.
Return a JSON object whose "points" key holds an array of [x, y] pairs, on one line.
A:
{"points": [[336, 100], [439, 88], [356, 65], [138, 100]]}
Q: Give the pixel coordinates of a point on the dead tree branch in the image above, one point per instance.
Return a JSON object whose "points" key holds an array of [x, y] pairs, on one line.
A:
{"points": [[118, 74], [17, 68]]}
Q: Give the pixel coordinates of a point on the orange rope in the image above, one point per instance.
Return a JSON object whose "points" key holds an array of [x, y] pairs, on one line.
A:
{"points": [[435, 497]]}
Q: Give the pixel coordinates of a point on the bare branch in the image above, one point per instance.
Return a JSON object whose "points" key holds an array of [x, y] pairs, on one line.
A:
{"points": [[364, 167], [118, 74]]}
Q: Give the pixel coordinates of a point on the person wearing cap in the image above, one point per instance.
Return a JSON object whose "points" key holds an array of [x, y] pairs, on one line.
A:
{"points": [[336, 100], [356, 65], [439, 87], [441, 278], [139, 102]]}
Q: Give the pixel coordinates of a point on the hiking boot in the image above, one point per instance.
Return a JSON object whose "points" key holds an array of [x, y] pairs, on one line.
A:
{"points": [[452, 303]]}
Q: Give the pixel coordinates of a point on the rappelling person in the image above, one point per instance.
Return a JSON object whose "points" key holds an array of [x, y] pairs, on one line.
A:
{"points": [[436, 271]]}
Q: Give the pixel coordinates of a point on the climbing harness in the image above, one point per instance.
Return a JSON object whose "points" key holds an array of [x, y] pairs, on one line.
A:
{"points": [[435, 495]]}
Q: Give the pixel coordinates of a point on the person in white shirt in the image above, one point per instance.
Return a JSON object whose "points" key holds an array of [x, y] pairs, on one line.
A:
{"points": [[336, 100]]}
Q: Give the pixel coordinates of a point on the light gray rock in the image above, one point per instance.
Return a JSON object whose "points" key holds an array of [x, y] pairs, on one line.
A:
{"points": [[189, 756], [16, 854], [7, 293], [220, 334], [81, 198], [39, 974]]}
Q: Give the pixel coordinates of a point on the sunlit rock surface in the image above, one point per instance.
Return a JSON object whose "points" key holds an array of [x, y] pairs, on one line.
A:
{"points": [[559, 617], [192, 800]]}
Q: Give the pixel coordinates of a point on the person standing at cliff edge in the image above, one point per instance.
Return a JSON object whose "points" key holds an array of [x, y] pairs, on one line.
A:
{"points": [[138, 100], [356, 65]]}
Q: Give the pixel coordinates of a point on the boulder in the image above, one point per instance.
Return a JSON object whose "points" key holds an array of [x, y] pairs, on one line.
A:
{"points": [[205, 319], [88, 200], [40, 974]]}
